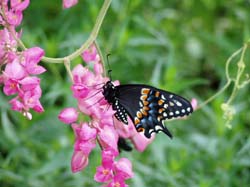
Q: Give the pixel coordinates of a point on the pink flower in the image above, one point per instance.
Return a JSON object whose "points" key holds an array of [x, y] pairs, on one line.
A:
{"points": [[69, 3], [111, 172], [108, 138], [117, 181], [78, 161], [124, 168], [16, 104], [32, 57], [8, 45], [84, 143], [80, 91], [68, 115], [194, 103], [128, 131], [103, 174], [91, 55], [31, 99], [15, 70], [18, 5], [14, 17], [29, 83], [141, 142], [11, 87]]}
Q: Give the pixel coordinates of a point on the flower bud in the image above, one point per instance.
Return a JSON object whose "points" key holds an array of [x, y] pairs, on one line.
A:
{"points": [[68, 115]]}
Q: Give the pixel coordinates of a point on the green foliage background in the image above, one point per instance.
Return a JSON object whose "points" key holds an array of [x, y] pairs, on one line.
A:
{"points": [[181, 46]]}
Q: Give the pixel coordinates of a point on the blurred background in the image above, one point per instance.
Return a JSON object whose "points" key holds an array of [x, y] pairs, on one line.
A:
{"points": [[180, 46]]}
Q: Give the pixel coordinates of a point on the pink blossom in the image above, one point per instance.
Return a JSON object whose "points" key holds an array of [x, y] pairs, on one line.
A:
{"points": [[113, 172], [108, 157], [91, 55], [128, 131], [84, 143], [31, 99], [117, 181], [69, 3], [84, 132], [11, 87], [15, 70], [29, 83], [68, 115], [19, 5], [32, 57], [194, 103], [14, 17], [8, 45], [38, 107], [78, 161], [123, 167], [98, 69], [141, 142], [108, 138], [16, 104], [103, 174], [80, 91]]}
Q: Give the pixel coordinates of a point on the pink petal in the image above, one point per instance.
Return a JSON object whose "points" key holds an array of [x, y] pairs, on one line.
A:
{"points": [[194, 103], [16, 105], [14, 18], [141, 142], [87, 133], [125, 131], [69, 3], [33, 55], [109, 138], [124, 167], [103, 174], [18, 5], [14, 70], [80, 91], [79, 161], [68, 115], [29, 83], [10, 87], [87, 146], [38, 107], [108, 156]]}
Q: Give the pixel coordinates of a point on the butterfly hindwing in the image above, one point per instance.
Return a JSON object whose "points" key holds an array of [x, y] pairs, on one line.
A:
{"points": [[148, 107]]}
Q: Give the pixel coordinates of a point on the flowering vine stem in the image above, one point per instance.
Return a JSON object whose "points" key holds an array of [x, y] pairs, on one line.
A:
{"points": [[229, 110], [89, 41]]}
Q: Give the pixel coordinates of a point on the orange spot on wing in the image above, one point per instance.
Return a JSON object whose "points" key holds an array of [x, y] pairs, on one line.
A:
{"points": [[144, 97], [139, 115], [145, 113], [145, 103], [157, 94], [146, 108], [145, 91], [140, 129], [136, 121], [161, 110], [159, 118], [160, 102]]}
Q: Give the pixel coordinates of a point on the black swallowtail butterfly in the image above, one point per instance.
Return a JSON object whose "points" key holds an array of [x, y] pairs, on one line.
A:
{"points": [[146, 106]]}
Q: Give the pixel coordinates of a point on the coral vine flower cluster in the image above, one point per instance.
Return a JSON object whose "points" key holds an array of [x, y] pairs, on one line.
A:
{"points": [[19, 69], [87, 89]]}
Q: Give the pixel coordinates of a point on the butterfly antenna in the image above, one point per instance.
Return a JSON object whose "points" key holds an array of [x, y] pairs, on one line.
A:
{"points": [[109, 70]]}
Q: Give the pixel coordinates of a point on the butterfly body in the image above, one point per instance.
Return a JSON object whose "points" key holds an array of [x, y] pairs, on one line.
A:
{"points": [[145, 105]]}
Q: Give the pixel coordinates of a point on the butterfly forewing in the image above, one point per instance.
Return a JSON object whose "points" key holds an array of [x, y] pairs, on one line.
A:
{"points": [[147, 107]]}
